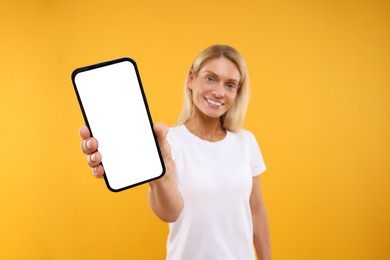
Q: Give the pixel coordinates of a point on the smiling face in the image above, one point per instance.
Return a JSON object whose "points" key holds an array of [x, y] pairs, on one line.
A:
{"points": [[215, 87]]}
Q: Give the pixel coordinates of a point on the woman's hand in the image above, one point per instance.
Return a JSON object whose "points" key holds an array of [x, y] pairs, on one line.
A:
{"points": [[89, 146], [161, 130]]}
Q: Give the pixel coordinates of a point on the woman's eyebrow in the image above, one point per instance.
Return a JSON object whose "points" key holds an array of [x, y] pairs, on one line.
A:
{"points": [[210, 72]]}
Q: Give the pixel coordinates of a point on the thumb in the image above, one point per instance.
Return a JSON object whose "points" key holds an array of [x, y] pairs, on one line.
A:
{"points": [[161, 131]]}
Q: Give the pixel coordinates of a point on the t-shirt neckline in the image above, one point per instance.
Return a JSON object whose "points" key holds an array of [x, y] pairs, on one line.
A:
{"points": [[200, 140]]}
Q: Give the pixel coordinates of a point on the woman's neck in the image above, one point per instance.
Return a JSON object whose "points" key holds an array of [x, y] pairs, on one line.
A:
{"points": [[206, 128]]}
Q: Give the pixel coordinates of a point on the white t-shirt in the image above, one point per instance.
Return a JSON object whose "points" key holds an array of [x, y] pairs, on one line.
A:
{"points": [[215, 180]]}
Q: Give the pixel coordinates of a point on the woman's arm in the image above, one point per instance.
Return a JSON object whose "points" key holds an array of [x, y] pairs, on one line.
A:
{"points": [[261, 235], [165, 199]]}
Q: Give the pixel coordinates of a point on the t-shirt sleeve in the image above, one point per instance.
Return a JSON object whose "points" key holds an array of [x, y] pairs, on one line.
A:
{"points": [[257, 161]]}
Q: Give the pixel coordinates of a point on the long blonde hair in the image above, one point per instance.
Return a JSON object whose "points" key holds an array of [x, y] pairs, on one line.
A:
{"points": [[233, 119]]}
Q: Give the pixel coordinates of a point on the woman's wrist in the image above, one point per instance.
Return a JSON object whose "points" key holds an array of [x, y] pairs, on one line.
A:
{"points": [[167, 178]]}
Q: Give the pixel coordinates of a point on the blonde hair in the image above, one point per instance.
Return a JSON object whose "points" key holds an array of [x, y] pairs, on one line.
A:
{"points": [[233, 119]]}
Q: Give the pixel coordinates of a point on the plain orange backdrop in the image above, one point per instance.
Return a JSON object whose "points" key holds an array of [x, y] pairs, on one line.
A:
{"points": [[319, 108]]}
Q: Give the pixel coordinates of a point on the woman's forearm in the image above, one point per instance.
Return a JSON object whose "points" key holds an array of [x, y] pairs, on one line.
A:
{"points": [[165, 198], [261, 234]]}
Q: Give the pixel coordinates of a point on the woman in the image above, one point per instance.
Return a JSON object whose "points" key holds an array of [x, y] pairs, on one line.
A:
{"points": [[210, 194]]}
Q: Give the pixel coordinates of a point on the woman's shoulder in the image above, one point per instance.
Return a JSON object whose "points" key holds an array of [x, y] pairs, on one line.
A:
{"points": [[176, 133], [176, 130], [176, 127], [243, 134]]}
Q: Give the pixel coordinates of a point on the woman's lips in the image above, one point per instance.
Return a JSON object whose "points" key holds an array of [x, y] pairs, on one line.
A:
{"points": [[214, 103]]}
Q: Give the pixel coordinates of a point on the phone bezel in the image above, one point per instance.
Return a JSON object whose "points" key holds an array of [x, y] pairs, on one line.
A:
{"points": [[108, 63]]}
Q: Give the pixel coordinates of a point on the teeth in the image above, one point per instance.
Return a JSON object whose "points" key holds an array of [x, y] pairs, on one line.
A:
{"points": [[214, 103]]}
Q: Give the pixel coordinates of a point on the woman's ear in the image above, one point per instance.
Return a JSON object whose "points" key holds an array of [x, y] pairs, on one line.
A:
{"points": [[190, 78]]}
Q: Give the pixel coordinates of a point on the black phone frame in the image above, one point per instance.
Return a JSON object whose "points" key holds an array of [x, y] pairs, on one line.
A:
{"points": [[107, 63]]}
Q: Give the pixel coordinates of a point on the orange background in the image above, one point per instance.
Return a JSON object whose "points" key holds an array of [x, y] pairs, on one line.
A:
{"points": [[319, 108]]}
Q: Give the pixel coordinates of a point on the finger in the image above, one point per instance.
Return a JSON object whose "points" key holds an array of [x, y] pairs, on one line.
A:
{"points": [[84, 132], [94, 159], [98, 171], [161, 131], [89, 145]]}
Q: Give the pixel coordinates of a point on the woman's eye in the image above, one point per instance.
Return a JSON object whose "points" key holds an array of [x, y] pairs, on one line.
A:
{"points": [[231, 85], [209, 78]]}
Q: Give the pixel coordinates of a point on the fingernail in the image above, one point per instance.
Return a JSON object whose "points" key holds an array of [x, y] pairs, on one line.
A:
{"points": [[94, 171], [93, 157], [88, 144]]}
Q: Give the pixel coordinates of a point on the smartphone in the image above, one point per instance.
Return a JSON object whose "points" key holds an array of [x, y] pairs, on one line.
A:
{"points": [[115, 109]]}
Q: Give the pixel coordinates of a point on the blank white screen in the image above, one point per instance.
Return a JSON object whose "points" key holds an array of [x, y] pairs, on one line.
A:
{"points": [[112, 100]]}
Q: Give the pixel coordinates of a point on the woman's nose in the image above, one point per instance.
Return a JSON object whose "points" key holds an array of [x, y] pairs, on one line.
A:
{"points": [[218, 91]]}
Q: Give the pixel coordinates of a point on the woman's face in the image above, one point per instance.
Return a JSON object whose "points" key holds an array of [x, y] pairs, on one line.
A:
{"points": [[215, 87]]}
